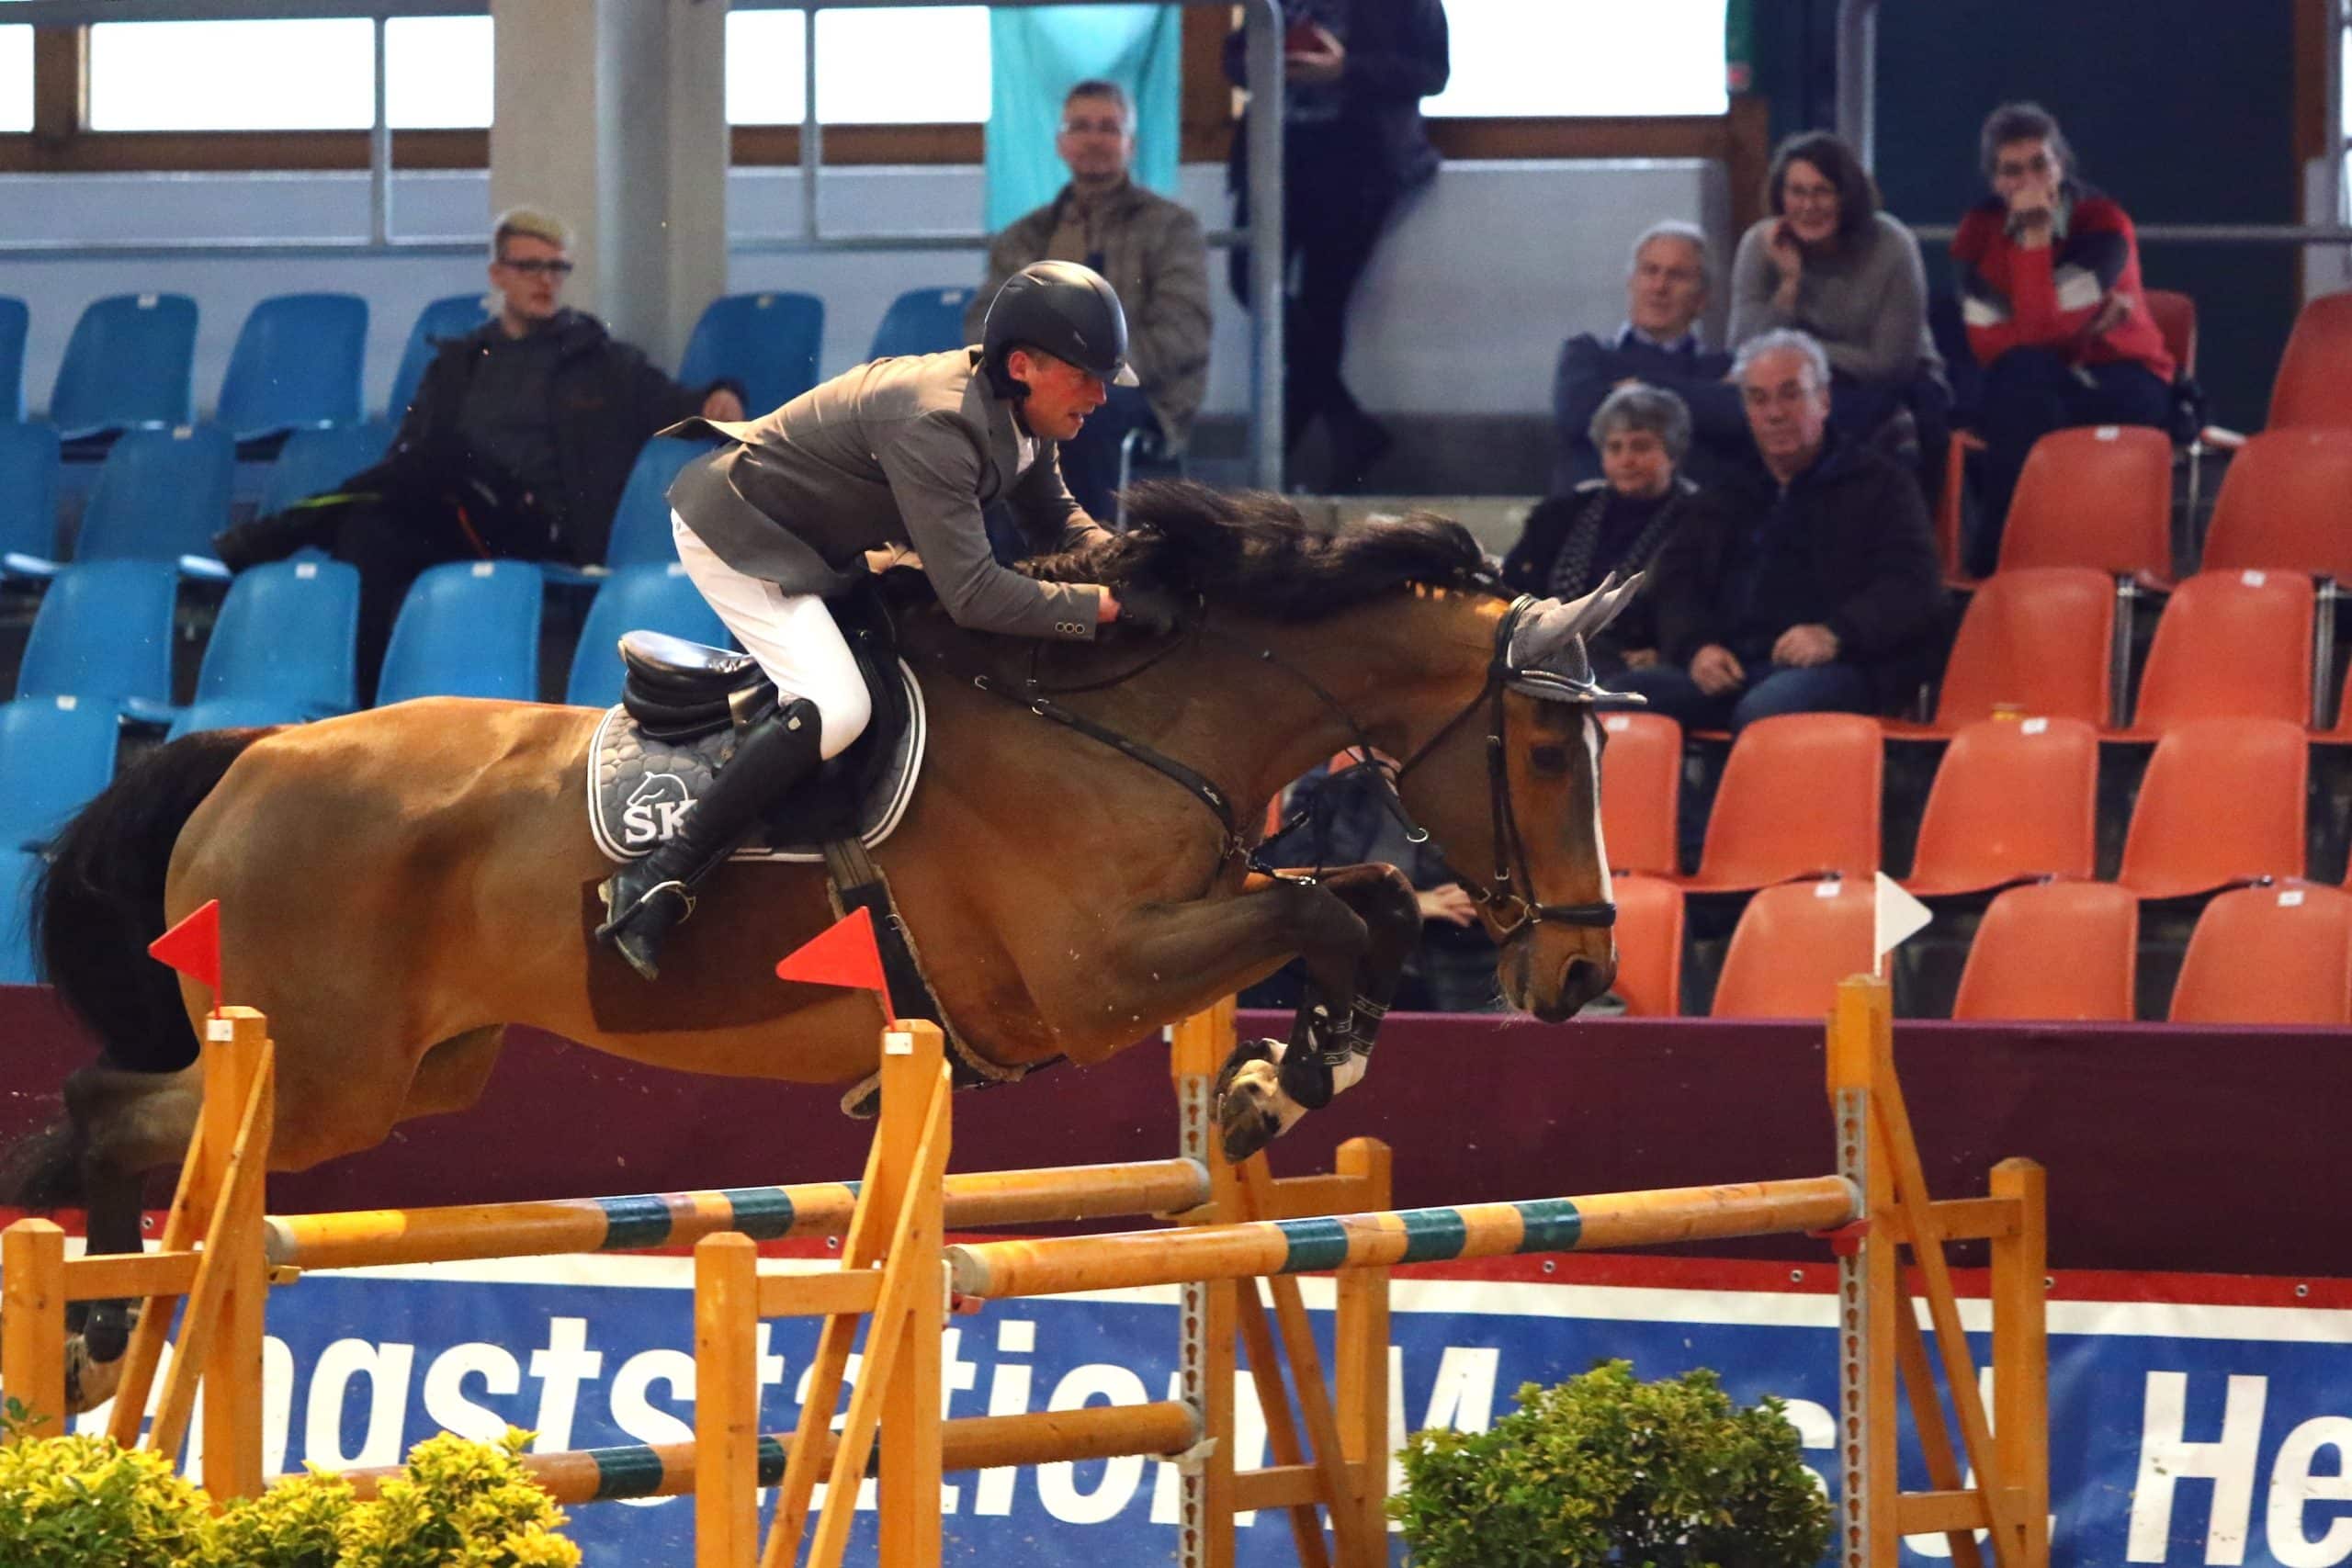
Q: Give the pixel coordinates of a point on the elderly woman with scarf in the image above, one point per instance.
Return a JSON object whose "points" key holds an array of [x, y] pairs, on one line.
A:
{"points": [[1617, 522]]}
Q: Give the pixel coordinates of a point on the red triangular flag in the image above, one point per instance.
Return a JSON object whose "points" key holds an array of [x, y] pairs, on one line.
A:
{"points": [[841, 954], [193, 947]]}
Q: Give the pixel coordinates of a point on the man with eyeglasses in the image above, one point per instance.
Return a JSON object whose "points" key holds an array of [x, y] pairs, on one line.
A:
{"points": [[2049, 272], [1153, 254], [518, 444]]}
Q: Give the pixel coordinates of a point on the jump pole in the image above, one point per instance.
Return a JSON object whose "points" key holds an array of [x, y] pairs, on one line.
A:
{"points": [[1874, 1205]]}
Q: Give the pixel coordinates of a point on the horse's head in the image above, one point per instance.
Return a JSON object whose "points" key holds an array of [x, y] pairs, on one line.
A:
{"points": [[1512, 789]]}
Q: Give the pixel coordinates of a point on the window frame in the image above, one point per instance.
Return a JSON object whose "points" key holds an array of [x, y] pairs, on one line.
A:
{"points": [[61, 141]]}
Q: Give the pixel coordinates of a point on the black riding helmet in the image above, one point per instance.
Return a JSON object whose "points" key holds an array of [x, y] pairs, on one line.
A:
{"points": [[1061, 308]]}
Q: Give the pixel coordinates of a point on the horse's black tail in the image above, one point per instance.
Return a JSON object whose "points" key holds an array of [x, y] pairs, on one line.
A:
{"points": [[99, 902]]}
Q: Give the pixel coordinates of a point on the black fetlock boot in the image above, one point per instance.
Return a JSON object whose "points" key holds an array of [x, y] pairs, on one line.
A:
{"points": [[646, 898]]}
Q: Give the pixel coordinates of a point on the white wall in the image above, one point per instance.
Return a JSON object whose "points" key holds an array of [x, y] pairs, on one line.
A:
{"points": [[1461, 313]]}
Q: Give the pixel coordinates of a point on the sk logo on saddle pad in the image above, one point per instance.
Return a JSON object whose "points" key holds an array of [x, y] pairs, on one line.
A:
{"points": [[641, 787], [654, 810]]}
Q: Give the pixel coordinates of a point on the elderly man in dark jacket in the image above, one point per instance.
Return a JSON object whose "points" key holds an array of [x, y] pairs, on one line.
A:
{"points": [[1808, 584], [519, 443]]}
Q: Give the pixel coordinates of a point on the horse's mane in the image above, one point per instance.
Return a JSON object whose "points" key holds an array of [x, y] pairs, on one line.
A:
{"points": [[1252, 551]]}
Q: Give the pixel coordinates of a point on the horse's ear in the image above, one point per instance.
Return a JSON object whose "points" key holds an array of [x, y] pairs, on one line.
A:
{"points": [[1548, 625]]}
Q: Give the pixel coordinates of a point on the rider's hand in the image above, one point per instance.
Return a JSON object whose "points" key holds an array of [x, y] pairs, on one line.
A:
{"points": [[1106, 608], [722, 404]]}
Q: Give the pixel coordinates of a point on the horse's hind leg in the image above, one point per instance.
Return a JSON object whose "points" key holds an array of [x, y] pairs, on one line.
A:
{"points": [[131, 1125]]}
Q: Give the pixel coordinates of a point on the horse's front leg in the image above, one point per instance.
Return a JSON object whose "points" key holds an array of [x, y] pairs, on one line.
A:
{"points": [[1267, 1085], [1352, 930]]}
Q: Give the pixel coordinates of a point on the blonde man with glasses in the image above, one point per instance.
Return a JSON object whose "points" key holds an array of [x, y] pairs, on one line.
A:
{"points": [[518, 444], [1153, 252]]}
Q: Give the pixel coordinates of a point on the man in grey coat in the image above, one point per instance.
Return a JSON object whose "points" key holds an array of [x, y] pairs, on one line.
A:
{"points": [[1156, 257], [899, 452]]}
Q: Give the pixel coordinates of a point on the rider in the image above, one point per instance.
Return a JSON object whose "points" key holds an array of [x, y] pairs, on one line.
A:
{"points": [[900, 451]]}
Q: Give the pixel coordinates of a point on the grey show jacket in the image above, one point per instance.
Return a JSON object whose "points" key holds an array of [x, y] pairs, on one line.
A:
{"points": [[896, 452]]}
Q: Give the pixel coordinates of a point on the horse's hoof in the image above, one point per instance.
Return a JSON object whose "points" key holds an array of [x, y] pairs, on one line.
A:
{"points": [[107, 1334], [1249, 1089]]}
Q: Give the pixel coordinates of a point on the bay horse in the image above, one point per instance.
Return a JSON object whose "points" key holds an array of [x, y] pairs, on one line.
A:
{"points": [[397, 886]]}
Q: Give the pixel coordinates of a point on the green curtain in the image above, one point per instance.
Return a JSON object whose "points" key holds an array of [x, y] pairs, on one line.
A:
{"points": [[1034, 56]]}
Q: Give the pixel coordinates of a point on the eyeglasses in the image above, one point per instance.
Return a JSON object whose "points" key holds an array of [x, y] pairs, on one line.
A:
{"points": [[539, 266], [1094, 128]]}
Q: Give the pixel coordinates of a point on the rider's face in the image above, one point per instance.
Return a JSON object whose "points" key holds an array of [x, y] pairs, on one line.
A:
{"points": [[1060, 394]]}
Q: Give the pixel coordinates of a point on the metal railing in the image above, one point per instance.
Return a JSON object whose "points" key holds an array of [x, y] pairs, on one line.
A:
{"points": [[1262, 78]]}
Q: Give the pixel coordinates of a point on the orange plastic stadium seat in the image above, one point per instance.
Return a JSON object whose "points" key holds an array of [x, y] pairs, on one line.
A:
{"points": [[2037, 640], [2231, 645], [1792, 945], [2222, 802], [1800, 797], [2285, 505], [2099, 496], [1649, 945], [2054, 950], [1641, 790], [2272, 955], [2175, 314], [2311, 387], [2013, 800]]}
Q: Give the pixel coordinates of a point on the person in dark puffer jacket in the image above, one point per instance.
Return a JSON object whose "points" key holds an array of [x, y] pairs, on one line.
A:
{"points": [[1810, 583]]}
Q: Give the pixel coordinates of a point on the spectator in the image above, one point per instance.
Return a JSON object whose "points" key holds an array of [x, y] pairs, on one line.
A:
{"points": [[1453, 970], [1154, 254], [1617, 522], [1355, 71], [2050, 290], [519, 444], [1665, 293], [1810, 583], [1829, 264]]}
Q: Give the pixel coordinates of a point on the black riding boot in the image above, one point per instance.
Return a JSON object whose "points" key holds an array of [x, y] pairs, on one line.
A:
{"points": [[646, 898]]}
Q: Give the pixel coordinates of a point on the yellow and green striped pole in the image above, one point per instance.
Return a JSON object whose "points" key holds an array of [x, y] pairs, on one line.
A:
{"points": [[1128, 1259]]}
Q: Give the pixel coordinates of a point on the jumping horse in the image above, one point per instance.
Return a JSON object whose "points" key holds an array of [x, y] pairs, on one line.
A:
{"points": [[399, 887]]}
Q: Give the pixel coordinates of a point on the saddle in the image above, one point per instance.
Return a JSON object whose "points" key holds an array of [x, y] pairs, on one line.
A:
{"points": [[682, 705]]}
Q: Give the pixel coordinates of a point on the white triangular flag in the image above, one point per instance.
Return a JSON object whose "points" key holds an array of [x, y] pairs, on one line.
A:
{"points": [[1898, 919]]}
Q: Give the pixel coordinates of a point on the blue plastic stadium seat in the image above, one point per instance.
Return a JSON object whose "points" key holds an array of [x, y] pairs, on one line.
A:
{"points": [[16, 319], [922, 320], [640, 534], [103, 634], [314, 462], [161, 495], [281, 651], [296, 366], [467, 629], [768, 342], [27, 492], [443, 318], [128, 364], [55, 754], [637, 598]]}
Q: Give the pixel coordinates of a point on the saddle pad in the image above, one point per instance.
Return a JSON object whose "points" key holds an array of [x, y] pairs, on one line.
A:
{"points": [[638, 787]]}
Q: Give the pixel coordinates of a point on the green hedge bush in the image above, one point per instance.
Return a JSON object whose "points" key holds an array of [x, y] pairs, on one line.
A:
{"points": [[84, 1501], [1605, 1470]]}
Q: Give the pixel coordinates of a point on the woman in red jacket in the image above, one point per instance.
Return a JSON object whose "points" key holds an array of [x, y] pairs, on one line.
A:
{"points": [[2050, 288]]}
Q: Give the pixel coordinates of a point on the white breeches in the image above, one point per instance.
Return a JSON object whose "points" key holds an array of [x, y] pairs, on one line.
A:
{"points": [[791, 634]]}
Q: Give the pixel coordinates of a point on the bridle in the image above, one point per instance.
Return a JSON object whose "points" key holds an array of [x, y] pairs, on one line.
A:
{"points": [[1509, 900], [1514, 912]]}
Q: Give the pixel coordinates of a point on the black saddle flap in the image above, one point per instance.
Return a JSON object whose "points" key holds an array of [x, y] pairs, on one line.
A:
{"points": [[675, 688]]}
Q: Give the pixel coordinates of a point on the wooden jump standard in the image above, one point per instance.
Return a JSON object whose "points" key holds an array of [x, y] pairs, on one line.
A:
{"points": [[897, 1268], [219, 1200]]}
